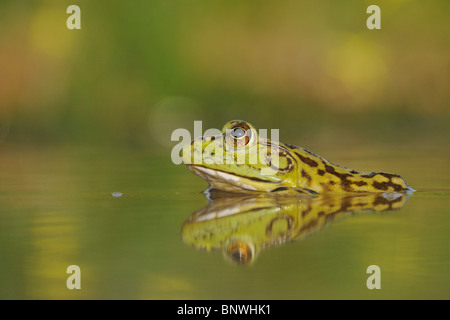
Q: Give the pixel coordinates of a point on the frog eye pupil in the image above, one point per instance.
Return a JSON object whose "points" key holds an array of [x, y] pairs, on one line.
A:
{"points": [[238, 133]]}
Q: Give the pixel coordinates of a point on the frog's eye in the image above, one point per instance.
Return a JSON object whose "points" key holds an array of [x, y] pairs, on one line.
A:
{"points": [[239, 135]]}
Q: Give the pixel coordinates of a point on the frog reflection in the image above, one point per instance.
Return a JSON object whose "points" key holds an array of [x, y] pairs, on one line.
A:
{"points": [[243, 225]]}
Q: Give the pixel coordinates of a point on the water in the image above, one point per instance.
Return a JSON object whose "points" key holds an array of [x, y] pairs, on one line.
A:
{"points": [[121, 216]]}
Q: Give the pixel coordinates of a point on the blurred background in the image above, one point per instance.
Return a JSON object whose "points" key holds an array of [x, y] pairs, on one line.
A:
{"points": [[86, 113], [135, 72]]}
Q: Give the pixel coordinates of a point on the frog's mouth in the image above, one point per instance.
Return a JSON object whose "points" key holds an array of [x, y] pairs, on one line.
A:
{"points": [[233, 182]]}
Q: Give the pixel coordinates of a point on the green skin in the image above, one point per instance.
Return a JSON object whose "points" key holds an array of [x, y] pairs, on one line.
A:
{"points": [[242, 225], [240, 161]]}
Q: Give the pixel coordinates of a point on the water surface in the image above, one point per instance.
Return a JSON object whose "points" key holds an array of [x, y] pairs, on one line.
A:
{"points": [[57, 208]]}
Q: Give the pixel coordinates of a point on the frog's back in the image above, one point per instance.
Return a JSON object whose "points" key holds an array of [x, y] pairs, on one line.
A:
{"points": [[320, 175]]}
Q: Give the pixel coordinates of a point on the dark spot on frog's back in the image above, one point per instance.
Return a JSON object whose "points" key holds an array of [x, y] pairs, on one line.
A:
{"points": [[332, 171], [306, 175], [308, 161], [390, 175], [385, 186], [359, 183]]}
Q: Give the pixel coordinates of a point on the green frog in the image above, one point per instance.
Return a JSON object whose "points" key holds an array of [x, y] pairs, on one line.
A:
{"points": [[240, 160]]}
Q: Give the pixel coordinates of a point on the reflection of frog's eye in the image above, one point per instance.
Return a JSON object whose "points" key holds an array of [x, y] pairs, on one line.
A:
{"points": [[239, 252], [239, 135]]}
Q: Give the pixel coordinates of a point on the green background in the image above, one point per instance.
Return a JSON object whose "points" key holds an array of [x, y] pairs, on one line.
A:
{"points": [[137, 71]]}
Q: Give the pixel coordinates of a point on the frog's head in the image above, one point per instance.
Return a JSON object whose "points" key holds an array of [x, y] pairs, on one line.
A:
{"points": [[240, 160]]}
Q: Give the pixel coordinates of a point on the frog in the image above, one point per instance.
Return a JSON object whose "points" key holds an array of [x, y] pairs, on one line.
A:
{"points": [[227, 162]]}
